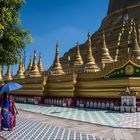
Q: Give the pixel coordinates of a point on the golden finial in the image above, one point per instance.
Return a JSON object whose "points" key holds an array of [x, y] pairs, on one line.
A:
{"points": [[20, 72], [105, 55], [8, 75], [34, 70], [40, 65], [89, 64], [57, 68], [78, 59], [89, 41]]}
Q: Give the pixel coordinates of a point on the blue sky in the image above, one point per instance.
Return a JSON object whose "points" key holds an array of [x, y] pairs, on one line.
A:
{"points": [[67, 21]]}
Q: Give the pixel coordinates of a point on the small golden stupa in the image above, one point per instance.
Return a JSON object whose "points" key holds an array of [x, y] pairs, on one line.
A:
{"points": [[34, 70], [56, 67], [78, 59], [89, 63], [105, 55], [20, 72]]}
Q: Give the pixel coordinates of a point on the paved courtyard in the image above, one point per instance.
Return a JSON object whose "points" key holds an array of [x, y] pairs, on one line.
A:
{"points": [[28, 129], [101, 117], [34, 125]]}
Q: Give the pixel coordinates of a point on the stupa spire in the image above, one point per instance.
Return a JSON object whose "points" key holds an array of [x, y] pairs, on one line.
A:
{"points": [[29, 67], [40, 64], [8, 75], [78, 59], [89, 64], [34, 70], [105, 55], [57, 68], [20, 72]]}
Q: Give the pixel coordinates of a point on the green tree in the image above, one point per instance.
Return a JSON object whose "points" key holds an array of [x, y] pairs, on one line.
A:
{"points": [[13, 38]]}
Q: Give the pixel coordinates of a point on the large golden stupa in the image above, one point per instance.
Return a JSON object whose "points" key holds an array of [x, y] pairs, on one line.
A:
{"points": [[103, 73]]}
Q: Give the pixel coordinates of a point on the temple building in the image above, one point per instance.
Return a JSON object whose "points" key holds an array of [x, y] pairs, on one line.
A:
{"points": [[102, 73]]}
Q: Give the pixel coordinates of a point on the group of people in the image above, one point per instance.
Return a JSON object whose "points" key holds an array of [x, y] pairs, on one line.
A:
{"points": [[8, 112]]}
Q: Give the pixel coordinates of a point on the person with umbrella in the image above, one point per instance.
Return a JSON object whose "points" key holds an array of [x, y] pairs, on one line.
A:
{"points": [[5, 112], [7, 105]]}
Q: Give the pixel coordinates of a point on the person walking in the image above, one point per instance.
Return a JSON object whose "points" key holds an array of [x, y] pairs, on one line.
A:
{"points": [[13, 112], [7, 104], [5, 112]]}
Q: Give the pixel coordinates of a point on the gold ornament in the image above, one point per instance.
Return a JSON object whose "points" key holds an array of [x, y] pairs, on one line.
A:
{"points": [[129, 70]]}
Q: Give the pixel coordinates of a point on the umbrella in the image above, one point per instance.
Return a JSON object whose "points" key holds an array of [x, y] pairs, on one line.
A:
{"points": [[10, 86]]}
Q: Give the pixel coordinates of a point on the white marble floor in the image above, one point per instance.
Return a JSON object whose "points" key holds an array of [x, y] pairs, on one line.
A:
{"points": [[101, 117], [28, 129]]}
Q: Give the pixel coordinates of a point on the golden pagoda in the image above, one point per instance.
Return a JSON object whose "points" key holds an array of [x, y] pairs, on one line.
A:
{"points": [[100, 71], [78, 59], [34, 70], [105, 55], [56, 68], [89, 63], [33, 82], [20, 72], [58, 82]]}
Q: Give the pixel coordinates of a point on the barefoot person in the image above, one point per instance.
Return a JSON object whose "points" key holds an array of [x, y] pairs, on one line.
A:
{"points": [[13, 112], [5, 112]]}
